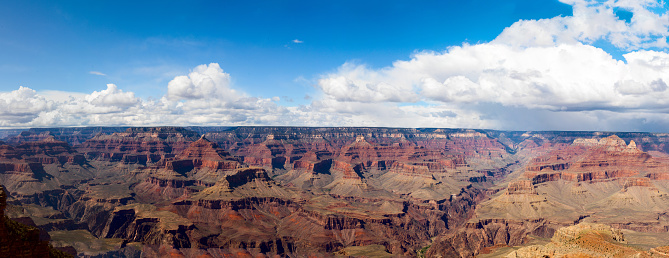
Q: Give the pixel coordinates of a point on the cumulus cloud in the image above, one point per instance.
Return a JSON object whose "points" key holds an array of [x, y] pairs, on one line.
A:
{"points": [[632, 87], [112, 96], [536, 75], [565, 76], [545, 69], [203, 97], [21, 106], [360, 84], [592, 21], [204, 82]]}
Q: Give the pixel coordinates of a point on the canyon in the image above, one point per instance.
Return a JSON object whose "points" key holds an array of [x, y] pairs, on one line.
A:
{"points": [[321, 192]]}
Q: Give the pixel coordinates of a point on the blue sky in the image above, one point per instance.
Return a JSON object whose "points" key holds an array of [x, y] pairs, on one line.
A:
{"points": [[141, 45], [522, 65]]}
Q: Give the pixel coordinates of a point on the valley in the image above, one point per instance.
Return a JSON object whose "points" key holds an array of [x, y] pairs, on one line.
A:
{"points": [[309, 191]]}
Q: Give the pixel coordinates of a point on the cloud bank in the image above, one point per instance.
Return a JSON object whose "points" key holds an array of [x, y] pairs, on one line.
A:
{"points": [[536, 75]]}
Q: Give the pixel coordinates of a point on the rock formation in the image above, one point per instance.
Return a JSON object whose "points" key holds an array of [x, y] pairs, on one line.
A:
{"points": [[138, 145], [583, 240], [292, 191], [45, 151], [201, 164], [18, 240]]}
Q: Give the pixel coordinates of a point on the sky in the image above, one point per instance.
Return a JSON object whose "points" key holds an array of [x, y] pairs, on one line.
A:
{"points": [[507, 65]]}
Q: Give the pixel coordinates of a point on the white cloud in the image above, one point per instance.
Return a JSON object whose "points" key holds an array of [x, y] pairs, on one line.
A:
{"points": [[632, 87], [592, 21], [97, 73], [58, 96], [204, 99], [112, 96], [21, 106], [297, 41], [536, 75], [564, 78], [360, 84], [536, 67], [204, 82]]}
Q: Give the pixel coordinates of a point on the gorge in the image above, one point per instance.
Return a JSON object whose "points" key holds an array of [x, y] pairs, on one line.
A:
{"points": [[308, 191]]}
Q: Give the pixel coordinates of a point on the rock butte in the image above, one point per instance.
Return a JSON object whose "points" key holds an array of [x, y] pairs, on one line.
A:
{"points": [[294, 191]]}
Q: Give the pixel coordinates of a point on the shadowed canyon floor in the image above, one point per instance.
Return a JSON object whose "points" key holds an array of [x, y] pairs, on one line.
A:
{"points": [[376, 192]]}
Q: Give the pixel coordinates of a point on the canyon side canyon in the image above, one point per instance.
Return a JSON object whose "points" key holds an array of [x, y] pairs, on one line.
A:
{"points": [[324, 192]]}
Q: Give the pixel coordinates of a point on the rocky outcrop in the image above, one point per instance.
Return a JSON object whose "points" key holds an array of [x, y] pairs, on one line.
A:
{"points": [[583, 240], [590, 154], [46, 151], [18, 240], [28, 136], [345, 170], [143, 223], [643, 182], [521, 187], [35, 170], [570, 184], [138, 145], [473, 239], [205, 154], [72, 135], [200, 165], [279, 226], [658, 176], [547, 176], [23, 178], [593, 160], [275, 152], [410, 170], [476, 145]]}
